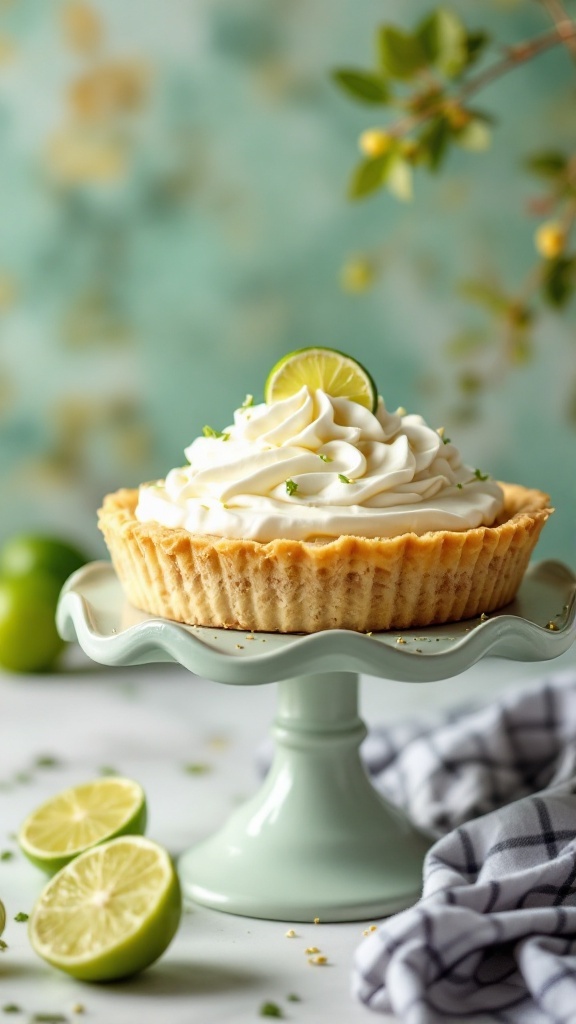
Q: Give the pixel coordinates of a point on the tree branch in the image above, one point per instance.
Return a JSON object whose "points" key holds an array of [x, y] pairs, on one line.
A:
{"points": [[560, 18], [563, 32]]}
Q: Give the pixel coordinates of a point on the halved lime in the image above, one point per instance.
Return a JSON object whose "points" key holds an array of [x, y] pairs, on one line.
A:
{"points": [[337, 374], [110, 913], [79, 818]]}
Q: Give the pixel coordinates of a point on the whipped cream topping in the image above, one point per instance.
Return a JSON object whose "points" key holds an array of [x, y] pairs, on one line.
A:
{"points": [[315, 467]]}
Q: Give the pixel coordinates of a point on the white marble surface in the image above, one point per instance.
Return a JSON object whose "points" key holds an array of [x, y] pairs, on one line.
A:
{"points": [[149, 723]]}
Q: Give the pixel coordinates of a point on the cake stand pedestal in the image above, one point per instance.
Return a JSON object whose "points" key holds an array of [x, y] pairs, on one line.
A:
{"points": [[317, 840]]}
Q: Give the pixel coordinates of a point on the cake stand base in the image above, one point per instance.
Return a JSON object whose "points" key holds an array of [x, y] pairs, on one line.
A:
{"points": [[317, 841]]}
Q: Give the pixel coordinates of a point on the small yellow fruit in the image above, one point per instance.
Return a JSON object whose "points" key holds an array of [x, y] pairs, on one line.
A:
{"points": [[456, 115], [375, 142], [550, 239]]}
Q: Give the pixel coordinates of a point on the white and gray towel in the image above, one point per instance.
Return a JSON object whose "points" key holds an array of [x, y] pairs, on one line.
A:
{"points": [[495, 931]]}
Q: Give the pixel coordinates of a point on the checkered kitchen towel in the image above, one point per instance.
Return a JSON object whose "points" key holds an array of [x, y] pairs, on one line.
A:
{"points": [[494, 935]]}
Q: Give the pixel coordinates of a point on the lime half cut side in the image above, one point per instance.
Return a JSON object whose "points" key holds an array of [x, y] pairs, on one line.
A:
{"points": [[79, 818], [337, 374], [109, 913]]}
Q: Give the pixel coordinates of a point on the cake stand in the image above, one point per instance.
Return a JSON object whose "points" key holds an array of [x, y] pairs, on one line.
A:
{"points": [[317, 840]]}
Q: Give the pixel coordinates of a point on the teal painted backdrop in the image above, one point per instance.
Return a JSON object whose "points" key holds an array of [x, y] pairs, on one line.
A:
{"points": [[174, 218]]}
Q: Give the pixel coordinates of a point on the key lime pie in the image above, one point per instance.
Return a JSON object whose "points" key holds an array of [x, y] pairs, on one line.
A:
{"points": [[320, 509]]}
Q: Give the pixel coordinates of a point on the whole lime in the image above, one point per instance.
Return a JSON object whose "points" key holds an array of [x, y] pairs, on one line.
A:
{"points": [[29, 640], [26, 554]]}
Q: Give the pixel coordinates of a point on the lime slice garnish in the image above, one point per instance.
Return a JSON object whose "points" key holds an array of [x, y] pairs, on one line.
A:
{"points": [[109, 913], [333, 372], [78, 818]]}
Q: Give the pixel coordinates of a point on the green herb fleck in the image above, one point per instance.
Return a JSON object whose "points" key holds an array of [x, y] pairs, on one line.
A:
{"points": [[479, 475], [248, 401], [21, 916], [446, 440], [46, 761], [3, 945], [197, 768], [210, 432], [270, 1010], [23, 777], [11, 1008], [344, 479], [325, 458], [291, 487], [6, 855], [49, 1018], [107, 769], [459, 486], [293, 998]]}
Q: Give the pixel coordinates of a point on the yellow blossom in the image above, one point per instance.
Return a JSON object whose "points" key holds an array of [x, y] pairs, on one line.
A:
{"points": [[118, 87], [550, 239], [82, 26], [357, 275], [75, 157]]}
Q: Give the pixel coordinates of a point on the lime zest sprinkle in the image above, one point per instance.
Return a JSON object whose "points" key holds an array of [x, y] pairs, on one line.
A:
{"points": [[222, 435], [11, 1008], [3, 945], [270, 1010], [325, 458], [446, 440], [291, 487], [6, 855], [49, 1018], [248, 402], [344, 479], [47, 761], [197, 768]]}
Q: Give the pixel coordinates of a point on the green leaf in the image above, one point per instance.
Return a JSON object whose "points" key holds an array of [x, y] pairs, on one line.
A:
{"points": [[547, 164], [370, 175], [466, 343], [442, 36], [401, 54], [365, 86], [560, 281], [476, 41], [475, 136], [486, 295], [433, 142], [399, 179]]}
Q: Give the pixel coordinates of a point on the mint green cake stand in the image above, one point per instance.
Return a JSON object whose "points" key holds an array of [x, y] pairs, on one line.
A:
{"points": [[316, 841]]}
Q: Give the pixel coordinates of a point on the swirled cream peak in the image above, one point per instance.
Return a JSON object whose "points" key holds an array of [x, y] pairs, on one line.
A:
{"points": [[313, 466]]}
